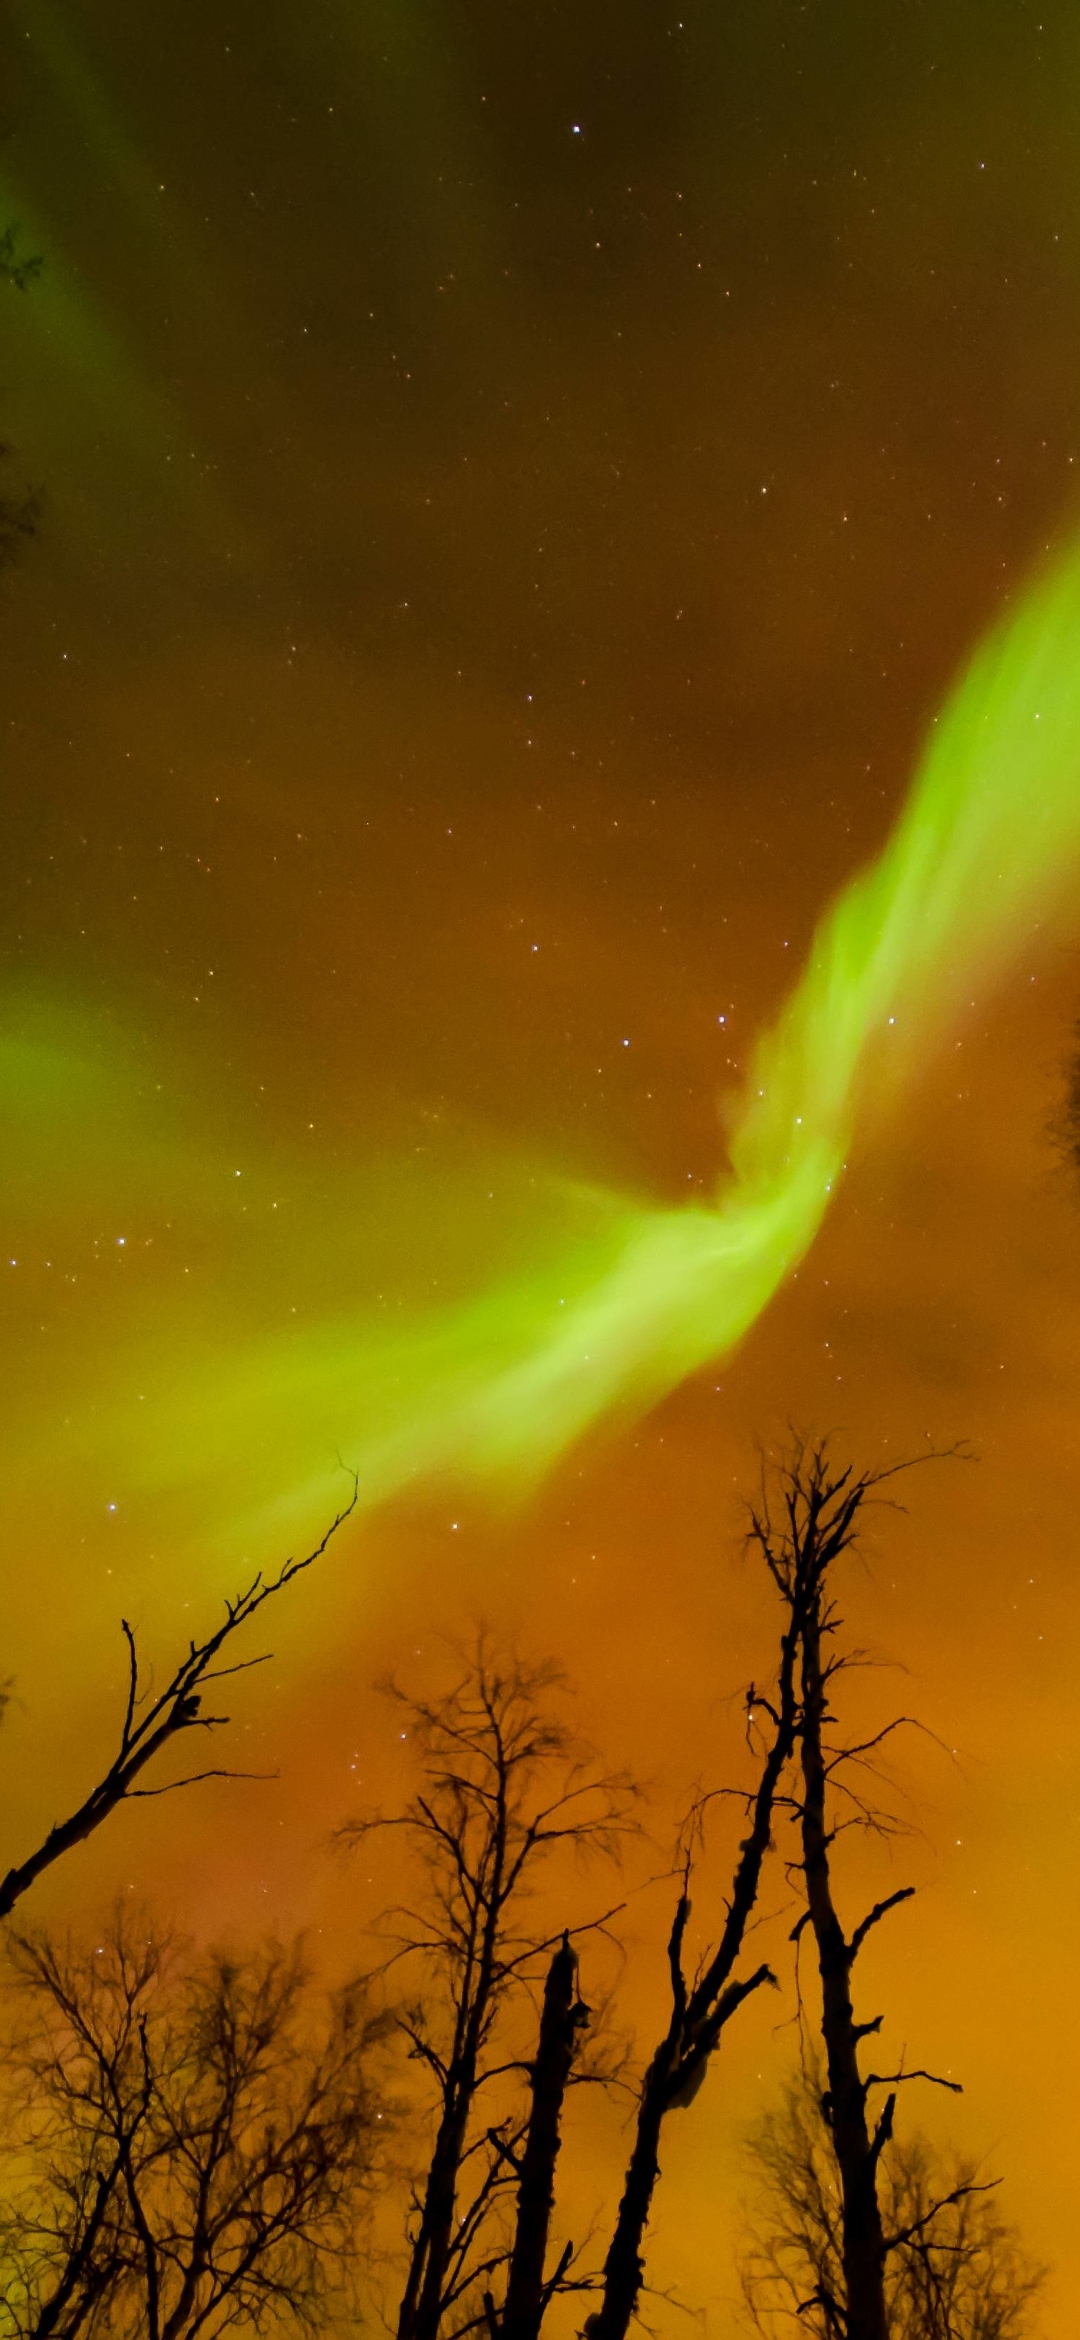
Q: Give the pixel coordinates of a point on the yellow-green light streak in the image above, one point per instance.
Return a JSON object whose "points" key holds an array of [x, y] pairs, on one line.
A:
{"points": [[494, 1391], [984, 849]]}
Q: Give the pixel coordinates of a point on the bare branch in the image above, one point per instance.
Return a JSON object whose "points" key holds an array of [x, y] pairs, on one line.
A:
{"points": [[893, 2079], [175, 1710], [874, 1917], [207, 2142], [504, 1788], [192, 1779], [959, 2193]]}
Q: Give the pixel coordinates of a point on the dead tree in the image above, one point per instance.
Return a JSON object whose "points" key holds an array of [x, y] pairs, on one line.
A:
{"points": [[194, 2142], [703, 2005], [954, 2268], [562, 2020], [152, 1722], [504, 1788], [803, 1531]]}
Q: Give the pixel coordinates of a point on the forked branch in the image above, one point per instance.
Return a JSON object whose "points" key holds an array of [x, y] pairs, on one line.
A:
{"points": [[146, 1731]]}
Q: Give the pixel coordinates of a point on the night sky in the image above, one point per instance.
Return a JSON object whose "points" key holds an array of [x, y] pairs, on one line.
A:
{"points": [[518, 483]]}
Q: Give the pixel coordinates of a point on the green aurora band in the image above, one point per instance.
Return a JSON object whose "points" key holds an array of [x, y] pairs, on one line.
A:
{"points": [[983, 852], [493, 1391]]}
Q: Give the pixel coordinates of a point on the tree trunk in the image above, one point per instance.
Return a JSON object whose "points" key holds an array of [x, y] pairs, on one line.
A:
{"points": [[79, 2263], [857, 2152], [698, 2016], [431, 2259], [624, 2267], [421, 2306], [560, 2022]]}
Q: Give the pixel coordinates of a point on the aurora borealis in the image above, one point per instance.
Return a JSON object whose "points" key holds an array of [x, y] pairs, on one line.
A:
{"points": [[552, 626]]}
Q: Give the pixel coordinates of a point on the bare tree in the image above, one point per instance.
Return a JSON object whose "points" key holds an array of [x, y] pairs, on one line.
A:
{"points": [[193, 2144], [704, 2001], [151, 1722], [505, 1786], [804, 1524], [528, 2291], [954, 2268], [703, 2004]]}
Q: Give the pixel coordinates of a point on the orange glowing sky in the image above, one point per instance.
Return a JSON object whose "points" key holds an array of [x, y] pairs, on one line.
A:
{"points": [[494, 579]]}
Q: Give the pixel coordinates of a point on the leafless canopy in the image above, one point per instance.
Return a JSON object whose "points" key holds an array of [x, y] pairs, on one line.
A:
{"points": [[808, 1519], [954, 2268], [191, 2141], [504, 1790], [703, 2003]]}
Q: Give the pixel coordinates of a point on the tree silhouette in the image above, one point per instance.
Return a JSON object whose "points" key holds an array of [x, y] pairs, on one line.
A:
{"points": [[151, 1722], [528, 2290], [805, 1521], [804, 1524], [504, 1788], [954, 2268], [703, 2004], [192, 2144]]}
